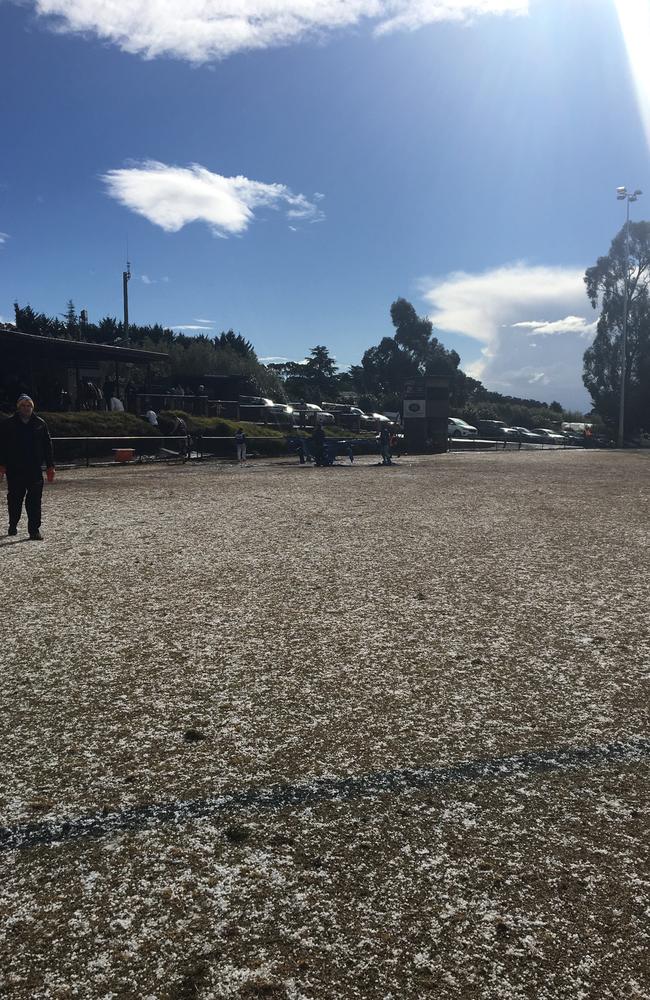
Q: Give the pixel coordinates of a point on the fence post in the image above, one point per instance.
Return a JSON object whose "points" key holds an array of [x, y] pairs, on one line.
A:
{"points": [[87, 454]]}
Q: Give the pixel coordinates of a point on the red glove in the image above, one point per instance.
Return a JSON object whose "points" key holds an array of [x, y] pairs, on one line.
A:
{"points": [[50, 474], [2, 471]]}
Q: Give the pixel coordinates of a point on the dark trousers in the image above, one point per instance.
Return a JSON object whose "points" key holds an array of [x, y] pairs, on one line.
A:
{"points": [[27, 487]]}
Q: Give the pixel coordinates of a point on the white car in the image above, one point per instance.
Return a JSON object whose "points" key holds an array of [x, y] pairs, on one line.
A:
{"points": [[460, 428]]}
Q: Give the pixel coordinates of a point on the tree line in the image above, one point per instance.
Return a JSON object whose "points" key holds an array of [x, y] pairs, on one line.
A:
{"points": [[376, 384]]}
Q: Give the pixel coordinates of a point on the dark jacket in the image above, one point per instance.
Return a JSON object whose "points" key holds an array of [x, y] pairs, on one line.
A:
{"points": [[25, 447]]}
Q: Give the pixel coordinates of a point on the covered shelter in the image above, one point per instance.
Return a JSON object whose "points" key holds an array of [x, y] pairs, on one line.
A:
{"points": [[57, 372]]}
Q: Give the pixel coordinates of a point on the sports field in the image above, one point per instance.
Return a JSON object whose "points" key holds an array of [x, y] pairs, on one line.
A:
{"points": [[310, 734]]}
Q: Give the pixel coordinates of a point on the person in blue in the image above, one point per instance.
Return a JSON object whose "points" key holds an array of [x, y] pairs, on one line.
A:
{"points": [[25, 447]]}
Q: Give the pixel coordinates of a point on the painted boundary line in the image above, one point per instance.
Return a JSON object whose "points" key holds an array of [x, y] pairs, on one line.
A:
{"points": [[96, 825]]}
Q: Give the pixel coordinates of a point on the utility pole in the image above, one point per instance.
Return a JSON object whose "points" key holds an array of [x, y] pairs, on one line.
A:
{"points": [[126, 277]]}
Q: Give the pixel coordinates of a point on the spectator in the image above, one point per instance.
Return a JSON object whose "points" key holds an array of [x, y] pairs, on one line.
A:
{"points": [[179, 429], [152, 417], [240, 444], [318, 444], [25, 446], [384, 446]]}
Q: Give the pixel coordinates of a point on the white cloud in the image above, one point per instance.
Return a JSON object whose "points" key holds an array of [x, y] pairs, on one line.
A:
{"points": [[570, 324], [492, 308], [204, 30], [3, 238], [192, 326], [171, 197]]}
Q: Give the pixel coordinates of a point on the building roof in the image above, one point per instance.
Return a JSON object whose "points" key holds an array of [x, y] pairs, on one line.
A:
{"points": [[14, 344]]}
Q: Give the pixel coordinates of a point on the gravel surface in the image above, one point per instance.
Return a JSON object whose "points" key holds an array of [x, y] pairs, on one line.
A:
{"points": [[202, 664]]}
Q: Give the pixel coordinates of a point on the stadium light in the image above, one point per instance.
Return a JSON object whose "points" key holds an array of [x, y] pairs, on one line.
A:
{"points": [[622, 194]]}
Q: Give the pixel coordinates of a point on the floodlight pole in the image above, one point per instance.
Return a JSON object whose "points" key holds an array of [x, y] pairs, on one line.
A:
{"points": [[622, 194]]}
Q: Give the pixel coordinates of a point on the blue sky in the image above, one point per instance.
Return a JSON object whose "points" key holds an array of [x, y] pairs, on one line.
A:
{"points": [[291, 174]]}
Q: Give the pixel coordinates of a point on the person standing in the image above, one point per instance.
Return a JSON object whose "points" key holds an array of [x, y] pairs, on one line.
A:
{"points": [[318, 444], [384, 446], [240, 444], [25, 446]]}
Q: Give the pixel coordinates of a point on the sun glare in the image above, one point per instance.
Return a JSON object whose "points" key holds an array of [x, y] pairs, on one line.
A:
{"points": [[634, 16]]}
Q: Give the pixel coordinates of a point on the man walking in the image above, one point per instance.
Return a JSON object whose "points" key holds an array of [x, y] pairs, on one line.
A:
{"points": [[25, 446]]}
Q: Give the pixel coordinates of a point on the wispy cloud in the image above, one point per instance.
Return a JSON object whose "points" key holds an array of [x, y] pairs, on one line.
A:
{"points": [[545, 328], [3, 238], [493, 307], [204, 30], [146, 280], [202, 328], [171, 197], [277, 360]]}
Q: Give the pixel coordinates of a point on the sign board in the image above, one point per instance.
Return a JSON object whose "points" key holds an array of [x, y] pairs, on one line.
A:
{"points": [[415, 408]]}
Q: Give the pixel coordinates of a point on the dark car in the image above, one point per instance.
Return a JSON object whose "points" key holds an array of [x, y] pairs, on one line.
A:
{"points": [[525, 436], [494, 429], [347, 415], [549, 436]]}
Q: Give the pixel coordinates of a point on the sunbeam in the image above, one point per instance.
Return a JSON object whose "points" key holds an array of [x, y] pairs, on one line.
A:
{"points": [[634, 16]]}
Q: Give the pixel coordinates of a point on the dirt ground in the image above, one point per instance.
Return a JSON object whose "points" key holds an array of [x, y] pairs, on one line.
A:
{"points": [[309, 734]]}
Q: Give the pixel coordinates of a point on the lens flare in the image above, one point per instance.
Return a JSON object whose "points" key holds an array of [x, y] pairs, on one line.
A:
{"points": [[634, 17]]}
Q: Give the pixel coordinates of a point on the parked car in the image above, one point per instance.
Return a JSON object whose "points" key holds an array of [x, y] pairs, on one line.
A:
{"points": [[495, 429], [310, 414], [526, 436], [549, 436], [460, 428], [347, 415], [378, 420], [261, 408], [570, 437]]}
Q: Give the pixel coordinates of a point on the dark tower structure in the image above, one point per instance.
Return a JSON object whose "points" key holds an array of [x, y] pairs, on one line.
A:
{"points": [[426, 411]]}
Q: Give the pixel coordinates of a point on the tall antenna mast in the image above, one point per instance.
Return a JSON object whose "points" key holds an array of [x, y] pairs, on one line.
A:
{"points": [[126, 277]]}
